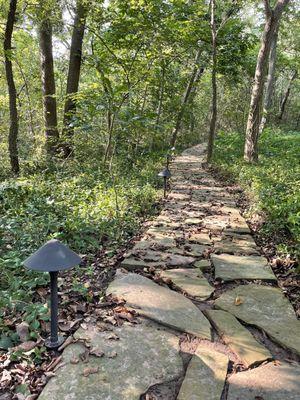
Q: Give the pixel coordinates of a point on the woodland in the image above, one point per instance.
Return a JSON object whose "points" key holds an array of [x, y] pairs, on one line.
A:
{"points": [[95, 94]]}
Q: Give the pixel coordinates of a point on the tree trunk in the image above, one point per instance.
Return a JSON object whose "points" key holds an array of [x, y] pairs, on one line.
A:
{"points": [[270, 81], [213, 119], [14, 123], [252, 131], [160, 96], [74, 73], [48, 86], [186, 97], [286, 96]]}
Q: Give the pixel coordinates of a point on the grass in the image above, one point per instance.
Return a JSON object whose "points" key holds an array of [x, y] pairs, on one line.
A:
{"points": [[77, 203], [273, 184]]}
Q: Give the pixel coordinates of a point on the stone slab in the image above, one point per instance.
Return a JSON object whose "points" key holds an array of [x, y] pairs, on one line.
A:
{"points": [[205, 376], [193, 221], [194, 249], [131, 263], [229, 267], [267, 382], [238, 338], [160, 304], [229, 247], [142, 356], [190, 281], [203, 265], [267, 308], [200, 238], [176, 260]]}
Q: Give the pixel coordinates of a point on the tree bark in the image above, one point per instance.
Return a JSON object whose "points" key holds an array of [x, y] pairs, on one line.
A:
{"points": [[14, 122], [213, 119], [161, 95], [48, 86], [186, 97], [270, 81], [74, 73], [286, 96], [252, 132]]}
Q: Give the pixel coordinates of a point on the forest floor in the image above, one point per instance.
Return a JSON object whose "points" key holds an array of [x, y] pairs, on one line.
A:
{"points": [[193, 298]]}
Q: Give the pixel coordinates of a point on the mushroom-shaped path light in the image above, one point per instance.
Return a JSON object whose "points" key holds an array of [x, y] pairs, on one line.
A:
{"points": [[53, 257], [166, 174]]}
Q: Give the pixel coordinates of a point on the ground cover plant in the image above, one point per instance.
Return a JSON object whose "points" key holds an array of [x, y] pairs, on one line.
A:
{"points": [[273, 184]]}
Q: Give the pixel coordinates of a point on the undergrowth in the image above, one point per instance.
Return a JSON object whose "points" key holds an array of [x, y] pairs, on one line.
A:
{"points": [[76, 202], [273, 184]]}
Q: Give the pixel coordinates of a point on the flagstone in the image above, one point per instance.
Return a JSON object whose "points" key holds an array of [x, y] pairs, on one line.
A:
{"points": [[143, 356], [179, 196], [237, 228], [164, 243], [230, 247], [238, 338], [194, 249], [177, 260], [268, 382], [131, 263], [203, 265], [200, 238], [205, 376], [231, 267], [160, 304], [267, 308], [193, 221], [191, 281]]}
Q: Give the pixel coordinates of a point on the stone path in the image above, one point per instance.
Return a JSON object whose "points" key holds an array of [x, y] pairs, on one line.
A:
{"points": [[202, 315]]}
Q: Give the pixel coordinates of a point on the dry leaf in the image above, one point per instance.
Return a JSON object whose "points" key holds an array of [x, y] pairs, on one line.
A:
{"points": [[112, 354], [23, 331], [49, 374], [54, 363], [90, 370], [74, 360], [84, 357], [26, 346], [112, 336], [238, 301], [96, 352], [66, 343]]}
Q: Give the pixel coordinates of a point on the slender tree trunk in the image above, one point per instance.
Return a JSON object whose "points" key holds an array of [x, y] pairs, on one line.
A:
{"points": [[252, 131], [160, 96], [213, 119], [270, 81], [48, 86], [30, 108], [14, 123], [74, 73], [286, 96], [186, 97]]}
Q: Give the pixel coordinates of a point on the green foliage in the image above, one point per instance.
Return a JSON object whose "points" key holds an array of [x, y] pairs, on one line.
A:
{"points": [[79, 205], [274, 183]]}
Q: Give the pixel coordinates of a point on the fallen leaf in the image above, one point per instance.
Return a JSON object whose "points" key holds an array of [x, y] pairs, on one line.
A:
{"points": [[26, 346], [54, 363], [238, 301], [66, 343], [90, 370], [84, 357], [74, 360], [23, 331], [112, 354], [96, 352], [112, 336], [49, 374]]}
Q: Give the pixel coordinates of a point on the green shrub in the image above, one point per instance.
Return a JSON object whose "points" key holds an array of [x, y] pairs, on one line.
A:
{"points": [[273, 183]]}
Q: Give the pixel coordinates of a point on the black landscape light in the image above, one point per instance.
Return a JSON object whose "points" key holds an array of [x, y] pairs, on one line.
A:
{"points": [[53, 257], [166, 174]]}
